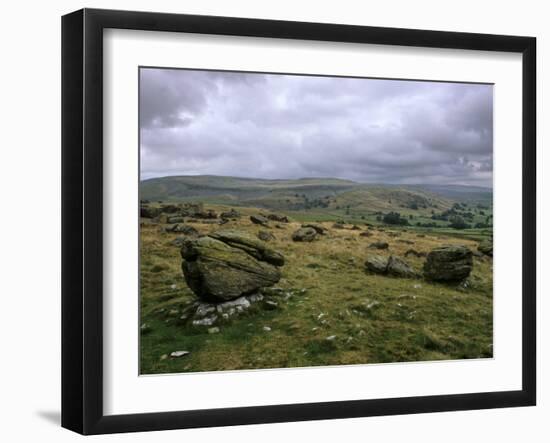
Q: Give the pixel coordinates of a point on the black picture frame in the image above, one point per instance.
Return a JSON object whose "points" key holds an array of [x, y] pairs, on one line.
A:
{"points": [[82, 215]]}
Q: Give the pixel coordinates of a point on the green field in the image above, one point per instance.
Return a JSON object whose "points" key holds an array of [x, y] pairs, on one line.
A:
{"points": [[332, 311]]}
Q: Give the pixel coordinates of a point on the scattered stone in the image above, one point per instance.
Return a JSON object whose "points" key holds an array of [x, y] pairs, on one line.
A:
{"points": [[330, 338], [170, 209], [321, 230], [278, 218], [177, 354], [448, 263], [265, 236], [366, 234], [304, 235], [486, 247], [338, 225], [421, 235], [394, 234], [175, 219], [376, 264], [206, 321], [266, 328], [399, 268], [355, 228], [270, 304], [379, 245], [145, 328], [259, 220], [232, 214], [213, 330]]}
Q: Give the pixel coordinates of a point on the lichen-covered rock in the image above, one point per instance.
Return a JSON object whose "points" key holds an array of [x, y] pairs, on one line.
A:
{"points": [[448, 263], [304, 234], [399, 268], [229, 266], [486, 248], [376, 264]]}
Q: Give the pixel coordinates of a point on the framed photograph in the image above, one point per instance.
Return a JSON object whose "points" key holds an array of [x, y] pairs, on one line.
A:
{"points": [[268, 221]]}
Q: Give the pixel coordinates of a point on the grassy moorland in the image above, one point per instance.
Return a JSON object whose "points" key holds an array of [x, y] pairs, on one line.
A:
{"points": [[327, 293]]}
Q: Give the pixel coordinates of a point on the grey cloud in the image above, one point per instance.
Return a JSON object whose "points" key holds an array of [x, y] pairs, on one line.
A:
{"points": [[281, 126]]}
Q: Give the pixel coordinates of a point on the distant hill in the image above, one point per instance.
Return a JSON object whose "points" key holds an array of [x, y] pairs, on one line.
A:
{"points": [[309, 193]]}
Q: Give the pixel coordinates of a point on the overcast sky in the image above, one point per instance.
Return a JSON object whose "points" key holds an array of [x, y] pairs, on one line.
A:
{"points": [[284, 126]]}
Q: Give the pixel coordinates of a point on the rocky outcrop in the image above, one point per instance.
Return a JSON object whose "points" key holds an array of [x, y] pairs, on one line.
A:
{"points": [[448, 263]]}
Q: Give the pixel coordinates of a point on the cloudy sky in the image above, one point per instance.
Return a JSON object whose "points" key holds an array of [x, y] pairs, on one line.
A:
{"points": [[284, 126]]}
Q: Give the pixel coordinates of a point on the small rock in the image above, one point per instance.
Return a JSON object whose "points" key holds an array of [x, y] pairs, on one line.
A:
{"points": [[259, 220], [379, 245], [266, 328], [213, 330], [331, 338], [304, 235], [177, 354]]}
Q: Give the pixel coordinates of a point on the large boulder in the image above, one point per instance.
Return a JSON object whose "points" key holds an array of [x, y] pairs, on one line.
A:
{"points": [[448, 263], [304, 234], [486, 248], [219, 270]]}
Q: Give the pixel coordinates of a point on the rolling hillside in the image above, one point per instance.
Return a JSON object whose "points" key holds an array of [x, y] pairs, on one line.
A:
{"points": [[322, 194]]}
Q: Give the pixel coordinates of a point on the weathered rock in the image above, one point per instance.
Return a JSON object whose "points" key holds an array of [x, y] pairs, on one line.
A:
{"points": [[250, 245], [304, 234], [355, 228], [265, 236], [448, 263], [366, 234], [278, 218], [338, 225], [394, 234], [321, 230], [259, 220], [486, 247], [376, 264], [399, 268], [149, 212], [228, 266], [379, 245]]}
